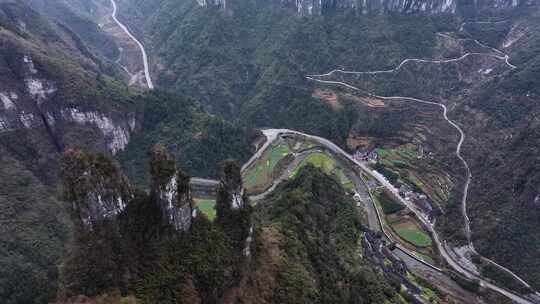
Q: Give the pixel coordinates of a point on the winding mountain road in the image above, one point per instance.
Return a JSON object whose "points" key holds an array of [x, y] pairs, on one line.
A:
{"points": [[473, 40], [462, 27], [504, 57], [272, 134], [147, 76], [404, 62], [442, 248]]}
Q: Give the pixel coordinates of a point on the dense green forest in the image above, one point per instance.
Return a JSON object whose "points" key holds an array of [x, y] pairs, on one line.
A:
{"points": [[34, 223], [249, 63], [320, 231], [304, 243], [34, 227], [221, 75], [198, 139]]}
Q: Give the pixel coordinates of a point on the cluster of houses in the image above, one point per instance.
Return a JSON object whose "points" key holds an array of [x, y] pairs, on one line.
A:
{"points": [[393, 268], [366, 155], [420, 200], [370, 154]]}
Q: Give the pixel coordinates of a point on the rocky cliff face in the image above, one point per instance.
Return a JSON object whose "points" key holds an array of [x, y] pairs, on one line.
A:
{"points": [[231, 184], [233, 208], [317, 7], [54, 95], [30, 100], [94, 187], [170, 187]]}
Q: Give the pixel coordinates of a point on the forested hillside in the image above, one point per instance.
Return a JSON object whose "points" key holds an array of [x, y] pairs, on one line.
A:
{"points": [[494, 99], [198, 139], [76, 16], [249, 63], [95, 196], [51, 97], [302, 245], [56, 93]]}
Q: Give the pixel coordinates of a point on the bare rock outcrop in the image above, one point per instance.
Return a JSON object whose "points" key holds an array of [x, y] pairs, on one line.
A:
{"points": [[94, 187], [171, 189]]}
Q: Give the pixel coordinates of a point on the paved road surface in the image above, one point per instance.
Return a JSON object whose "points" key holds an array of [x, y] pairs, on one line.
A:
{"points": [[141, 47], [404, 62], [271, 134]]}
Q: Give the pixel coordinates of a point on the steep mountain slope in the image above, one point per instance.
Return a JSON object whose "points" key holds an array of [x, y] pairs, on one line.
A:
{"points": [[303, 244], [248, 59], [33, 231], [52, 96], [495, 103], [246, 62], [197, 139], [55, 95], [318, 229], [250, 64], [366, 7], [77, 16]]}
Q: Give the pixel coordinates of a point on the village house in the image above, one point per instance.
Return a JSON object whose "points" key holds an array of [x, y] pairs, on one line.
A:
{"points": [[366, 155]]}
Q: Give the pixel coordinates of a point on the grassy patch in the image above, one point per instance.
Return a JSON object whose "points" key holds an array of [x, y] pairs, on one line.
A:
{"points": [[408, 153], [262, 172], [207, 207], [349, 186], [329, 166], [384, 153], [413, 235], [307, 146], [319, 160], [426, 258]]}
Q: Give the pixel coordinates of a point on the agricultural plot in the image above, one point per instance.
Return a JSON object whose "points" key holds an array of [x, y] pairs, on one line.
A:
{"points": [[207, 207], [402, 161], [409, 166], [410, 232], [260, 174], [329, 166], [299, 146]]}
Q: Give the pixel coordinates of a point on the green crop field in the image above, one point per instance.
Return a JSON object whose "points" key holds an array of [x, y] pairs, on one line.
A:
{"points": [[261, 173], [383, 153], [319, 160], [329, 166], [413, 235], [207, 207]]}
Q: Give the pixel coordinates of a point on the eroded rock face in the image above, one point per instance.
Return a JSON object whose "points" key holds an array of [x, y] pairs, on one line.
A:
{"points": [[219, 3], [316, 7], [94, 187], [310, 7], [116, 133], [231, 182], [170, 187], [34, 106], [233, 209]]}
